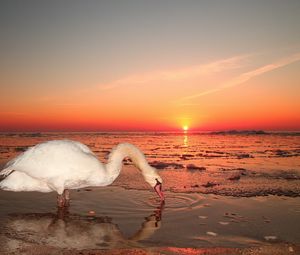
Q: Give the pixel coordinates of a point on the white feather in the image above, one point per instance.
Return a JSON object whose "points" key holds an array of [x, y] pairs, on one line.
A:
{"points": [[63, 164]]}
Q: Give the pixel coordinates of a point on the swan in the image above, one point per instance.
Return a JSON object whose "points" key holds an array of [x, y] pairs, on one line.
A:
{"points": [[61, 165]]}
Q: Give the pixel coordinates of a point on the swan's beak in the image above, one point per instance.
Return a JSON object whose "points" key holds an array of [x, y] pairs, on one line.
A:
{"points": [[158, 189]]}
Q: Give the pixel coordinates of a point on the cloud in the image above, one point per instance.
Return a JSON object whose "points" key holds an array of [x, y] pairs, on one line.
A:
{"points": [[244, 77], [177, 75]]}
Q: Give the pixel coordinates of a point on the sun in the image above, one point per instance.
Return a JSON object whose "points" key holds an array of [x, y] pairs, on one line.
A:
{"points": [[185, 128]]}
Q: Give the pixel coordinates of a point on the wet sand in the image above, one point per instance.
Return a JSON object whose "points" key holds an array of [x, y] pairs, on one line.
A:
{"points": [[113, 220]]}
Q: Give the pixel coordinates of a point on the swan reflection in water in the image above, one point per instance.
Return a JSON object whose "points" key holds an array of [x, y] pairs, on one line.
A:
{"points": [[66, 230]]}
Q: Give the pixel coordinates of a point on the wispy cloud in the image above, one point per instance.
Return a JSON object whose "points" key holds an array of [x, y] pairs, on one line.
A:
{"points": [[177, 75], [244, 77]]}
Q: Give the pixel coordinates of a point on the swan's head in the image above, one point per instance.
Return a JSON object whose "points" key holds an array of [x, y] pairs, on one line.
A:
{"points": [[152, 177], [158, 189]]}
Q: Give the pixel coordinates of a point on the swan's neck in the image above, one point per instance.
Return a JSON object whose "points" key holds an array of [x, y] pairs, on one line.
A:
{"points": [[123, 150]]}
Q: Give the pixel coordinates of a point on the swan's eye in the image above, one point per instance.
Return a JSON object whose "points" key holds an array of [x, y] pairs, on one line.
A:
{"points": [[157, 181]]}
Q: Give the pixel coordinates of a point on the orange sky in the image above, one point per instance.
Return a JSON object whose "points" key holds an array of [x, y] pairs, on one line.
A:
{"points": [[149, 66]]}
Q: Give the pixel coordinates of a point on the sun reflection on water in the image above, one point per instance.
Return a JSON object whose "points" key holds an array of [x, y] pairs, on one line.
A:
{"points": [[185, 139]]}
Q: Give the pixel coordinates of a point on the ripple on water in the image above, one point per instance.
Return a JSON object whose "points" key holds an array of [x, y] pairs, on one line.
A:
{"points": [[178, 202], [132, 202]]}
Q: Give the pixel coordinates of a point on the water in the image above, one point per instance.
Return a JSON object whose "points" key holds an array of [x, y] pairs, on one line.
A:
{"points": [[198, 170], [126, 218], [273, 152]]}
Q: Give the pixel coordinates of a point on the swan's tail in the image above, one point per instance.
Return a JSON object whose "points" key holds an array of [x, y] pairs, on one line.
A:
{"points": [[5, 172], [8, 168]]}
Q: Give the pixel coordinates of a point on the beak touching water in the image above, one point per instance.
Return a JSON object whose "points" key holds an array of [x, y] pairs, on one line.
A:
{"points": [[158, 189]]}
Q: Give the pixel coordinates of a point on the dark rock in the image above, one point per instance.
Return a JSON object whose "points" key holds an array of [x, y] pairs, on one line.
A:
{"points": [[234, 177], [240, 132], [209, 185], [20, 149], [194, 167], [162, 165], [244, 155]]}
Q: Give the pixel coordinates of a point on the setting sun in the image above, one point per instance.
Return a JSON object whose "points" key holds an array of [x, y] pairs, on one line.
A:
{"points": [[185, 128]]}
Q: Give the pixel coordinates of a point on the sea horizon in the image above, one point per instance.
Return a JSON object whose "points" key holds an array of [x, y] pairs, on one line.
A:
{"points": [[221, 131]]}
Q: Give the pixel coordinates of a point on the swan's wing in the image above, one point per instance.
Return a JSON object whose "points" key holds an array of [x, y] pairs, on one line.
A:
{"points": [[59, 160]]}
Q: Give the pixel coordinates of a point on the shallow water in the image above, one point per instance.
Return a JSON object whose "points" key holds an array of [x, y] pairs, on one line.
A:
{"points": [[127, 218], [192, 166]]}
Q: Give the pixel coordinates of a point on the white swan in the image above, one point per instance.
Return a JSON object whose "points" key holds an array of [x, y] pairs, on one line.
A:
{"points": [[60, 165]]}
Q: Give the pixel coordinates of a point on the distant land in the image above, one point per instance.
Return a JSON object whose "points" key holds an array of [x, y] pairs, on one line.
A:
{"points": [[240, 132], [253, 132]]}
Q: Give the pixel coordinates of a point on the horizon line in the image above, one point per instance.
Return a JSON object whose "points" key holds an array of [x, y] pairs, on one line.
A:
{"points": [[155, 131]]}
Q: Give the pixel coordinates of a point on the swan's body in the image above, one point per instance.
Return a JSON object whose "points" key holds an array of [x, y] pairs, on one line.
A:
{"points": [[60, 165]]}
